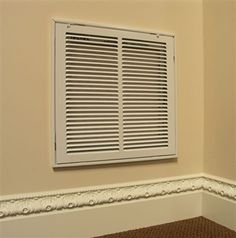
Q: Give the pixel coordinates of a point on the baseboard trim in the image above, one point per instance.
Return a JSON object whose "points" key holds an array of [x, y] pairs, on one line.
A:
{"points": [[100, 220], [19, 205], [221, 187], [220, 210]]}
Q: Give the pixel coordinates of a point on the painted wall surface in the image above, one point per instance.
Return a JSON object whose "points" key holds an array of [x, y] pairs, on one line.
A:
{"points": [[1, 111], [26, 80], [220, 88]]}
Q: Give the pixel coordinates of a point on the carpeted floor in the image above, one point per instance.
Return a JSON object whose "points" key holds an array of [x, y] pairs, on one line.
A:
{"points": [[198, 227]]}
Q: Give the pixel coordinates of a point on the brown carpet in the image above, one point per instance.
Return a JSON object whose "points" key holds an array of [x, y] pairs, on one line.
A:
{"points": [[198, 227]]}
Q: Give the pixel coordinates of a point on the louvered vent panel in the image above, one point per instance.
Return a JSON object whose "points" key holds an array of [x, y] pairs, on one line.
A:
{"points": [[145, 94], [114, 95], [92, 112]]}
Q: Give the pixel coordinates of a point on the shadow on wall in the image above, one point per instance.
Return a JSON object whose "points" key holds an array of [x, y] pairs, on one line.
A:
{"points": [[139, 163]]}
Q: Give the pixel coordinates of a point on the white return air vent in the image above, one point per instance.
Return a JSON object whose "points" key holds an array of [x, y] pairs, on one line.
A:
{"points": [[114, 95]]}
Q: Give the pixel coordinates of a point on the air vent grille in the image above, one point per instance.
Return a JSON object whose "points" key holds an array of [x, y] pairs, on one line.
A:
{"points": [[114, 95]]}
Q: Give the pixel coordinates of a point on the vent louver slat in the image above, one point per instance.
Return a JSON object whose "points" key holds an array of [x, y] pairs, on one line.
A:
{"points": [[92, 113], [145, 104]]}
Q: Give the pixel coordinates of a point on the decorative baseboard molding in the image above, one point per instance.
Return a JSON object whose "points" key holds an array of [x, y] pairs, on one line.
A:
{"points": [[221, 211], [102, 220], [221, 187], [46, 202]]}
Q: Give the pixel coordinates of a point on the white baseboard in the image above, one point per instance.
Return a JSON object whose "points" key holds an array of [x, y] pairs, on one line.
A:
{"points": [[220, 210], [105, 219], [92, 211]]}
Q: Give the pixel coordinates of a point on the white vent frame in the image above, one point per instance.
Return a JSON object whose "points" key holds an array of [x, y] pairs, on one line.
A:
{"points": [[59, 153]]}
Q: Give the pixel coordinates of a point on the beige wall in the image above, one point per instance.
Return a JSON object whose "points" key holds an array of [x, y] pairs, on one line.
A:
{"points": [[220, 87], [27, 35], [1, 111]]}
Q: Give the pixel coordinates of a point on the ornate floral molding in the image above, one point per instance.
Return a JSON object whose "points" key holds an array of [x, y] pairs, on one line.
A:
{"points": [[45, 202], [221, 187]]}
